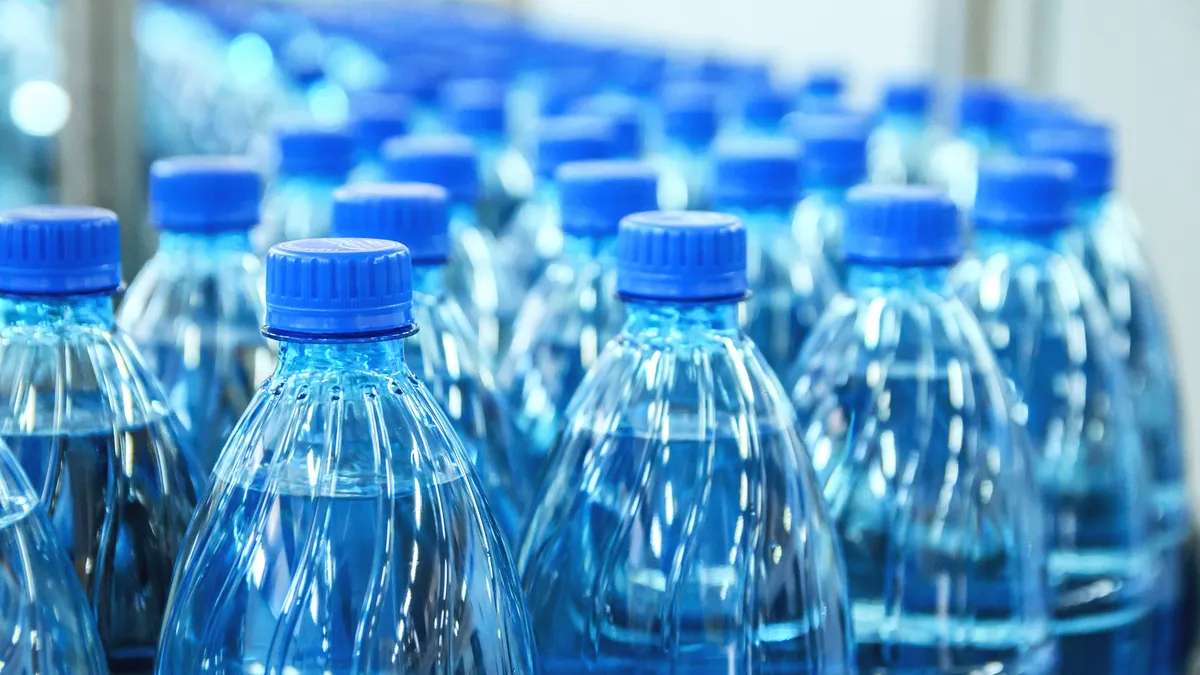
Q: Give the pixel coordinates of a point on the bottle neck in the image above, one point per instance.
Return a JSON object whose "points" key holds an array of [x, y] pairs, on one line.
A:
{"points": [[429, 279], [463, 217], [1066, 239], [763, 220], [191, 243], [383, 356], [652, 319], [875, 277], [827, 192], [94, 310], [579, 249], [1088, 211]]}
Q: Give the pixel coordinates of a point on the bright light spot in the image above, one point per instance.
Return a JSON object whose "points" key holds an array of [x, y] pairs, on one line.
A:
{"points": [[40, 108], [249, 59], [328, 103]]}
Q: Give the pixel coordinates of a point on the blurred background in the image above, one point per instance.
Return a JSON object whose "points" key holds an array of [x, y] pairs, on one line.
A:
{"points": [[94, 90]]}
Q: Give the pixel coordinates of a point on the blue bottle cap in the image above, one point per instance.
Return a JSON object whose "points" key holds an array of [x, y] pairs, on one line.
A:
{"points": [[835, 149], [1087, 146], [982, 105], [328, 288], [690, 114], [596, 195], [414, 214], [1028, 112], [624, 116], [683, 256], [205, 194], [638, 70], [1023, 194], [475, 107], [59, 250], [311, 150], [573, 138], [377, 118], [763, 106], [908, 97], [445, 160], [565, 87], [824, 83], [901, 226], [757, 174]]}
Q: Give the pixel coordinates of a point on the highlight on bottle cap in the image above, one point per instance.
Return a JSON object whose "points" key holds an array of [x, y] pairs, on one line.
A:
{"points": [[59, 250], [683, 256], [339, 288], [414, 214]]}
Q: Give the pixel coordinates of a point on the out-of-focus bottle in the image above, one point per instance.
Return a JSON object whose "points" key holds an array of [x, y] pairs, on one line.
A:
{"points": [[376, 119], [313, 161], [954, 163], [904, 137], [689, 124]]}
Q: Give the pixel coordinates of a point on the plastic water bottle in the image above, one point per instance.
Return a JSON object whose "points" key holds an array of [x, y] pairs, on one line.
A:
{"points": [[475, 108], [689, 127], [1112, 253], [954, 163], [758, 180], [445, 354], [477, 275], [195, 310], [1041, 313], [929, 487], [313, 162], [822, 90], [377, 119], [681, 529], [626, 116], [45, 614], [344, 529], [904, 138], [89, 423], [535, 237], [760, 110], [834, 160], [573, 310]]}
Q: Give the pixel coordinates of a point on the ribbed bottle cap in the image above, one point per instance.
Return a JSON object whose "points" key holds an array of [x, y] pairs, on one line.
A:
{"points": [[690, 114], [908, 97], [475, 107], [901, 226], [684, 256], [338, 287], [445, 160], [573, 138], [982, 105], [205, 194], [310, 150], [414, 214], [1087, 146], [377, 118], [1023, 194], [59, 250], [624, 116], [596, 195], [757, 173], [835, 149]]}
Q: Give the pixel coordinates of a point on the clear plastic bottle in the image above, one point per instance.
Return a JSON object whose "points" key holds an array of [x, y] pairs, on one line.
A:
{"points": [[313, 162], [535, 237], [1112, 253], [833, 161], [445, 354], [195, 310], [758, 180], [681, 529], [954, 163], [43, 611], [377, 118], [904, 138], [89, 423], [928, 480], [688, 128], [1042, 315], [573, 310], [475, 108], [344, 530], [478, 276]]}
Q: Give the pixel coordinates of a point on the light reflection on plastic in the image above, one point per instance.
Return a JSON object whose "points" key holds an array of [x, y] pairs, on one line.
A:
{"points": [[328, 103], [249, 59], [40, 108]]}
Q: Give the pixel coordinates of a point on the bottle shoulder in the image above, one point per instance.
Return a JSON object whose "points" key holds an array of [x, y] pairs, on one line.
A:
{"points": [[169, 300]]}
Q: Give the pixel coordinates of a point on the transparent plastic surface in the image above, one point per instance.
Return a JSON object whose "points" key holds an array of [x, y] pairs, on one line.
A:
{"points": [[46, 621], [790, 289], [535, 237], [480, 276], [1041, 314], [954, 164], [295, 208], [1113, 256], [445, 355], [818, 224], [681, 529], [92, 429], [684, 178], [928, 481], [566, 319], [196, 313], [899, 149], [507, 181], [345, 532]]}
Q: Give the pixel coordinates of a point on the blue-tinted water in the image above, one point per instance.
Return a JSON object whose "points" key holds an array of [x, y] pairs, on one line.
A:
{"points": [[1104, 623], [539, 396], [119, 519]]}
